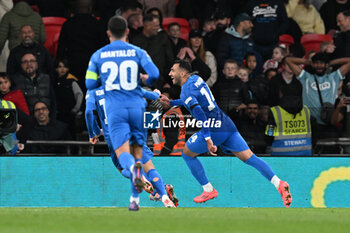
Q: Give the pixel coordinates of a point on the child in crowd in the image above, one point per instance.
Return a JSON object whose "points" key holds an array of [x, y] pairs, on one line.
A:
{"points": [[243, 73], [68, 94], [250, 62], [232, 93], [279, 52], [15, 96]]}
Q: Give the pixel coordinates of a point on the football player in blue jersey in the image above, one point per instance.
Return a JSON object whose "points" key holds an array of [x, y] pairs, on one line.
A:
{"points": [[95, 102], [116, 67], [216, 129]]}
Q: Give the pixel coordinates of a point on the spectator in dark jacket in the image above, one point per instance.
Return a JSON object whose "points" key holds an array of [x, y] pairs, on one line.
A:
{"points": [[270, 21], [157, 46], [44, 128], [329, 11], [12, 21], [287, 78], [80, 37], [252, 127], [342, 39], [222, 22], [231, 93], [34, 85], [177, 43], [29, 45], [235, 42], [69, 95]]}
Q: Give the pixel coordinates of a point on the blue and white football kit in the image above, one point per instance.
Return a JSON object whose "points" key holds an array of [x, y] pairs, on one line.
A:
{"points": [[198, 99], [196, 94], [95, 101], [117, 68]]}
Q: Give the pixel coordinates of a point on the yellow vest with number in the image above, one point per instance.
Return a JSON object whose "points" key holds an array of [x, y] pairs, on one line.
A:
{"points": [[292, 134]]}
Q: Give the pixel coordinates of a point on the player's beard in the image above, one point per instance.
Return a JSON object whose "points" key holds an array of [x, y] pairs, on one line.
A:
{"points": [[177, 81]]}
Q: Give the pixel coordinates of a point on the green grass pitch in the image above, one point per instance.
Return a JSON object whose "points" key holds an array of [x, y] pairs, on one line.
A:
{"points": [[162, 220]]}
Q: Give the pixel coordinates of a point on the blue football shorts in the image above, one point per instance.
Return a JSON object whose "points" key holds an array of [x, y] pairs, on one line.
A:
{"points": [[126, 124], [226, 137]]}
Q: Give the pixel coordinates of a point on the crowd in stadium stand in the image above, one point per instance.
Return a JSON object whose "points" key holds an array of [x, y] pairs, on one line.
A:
{"points": [[262, 59]]}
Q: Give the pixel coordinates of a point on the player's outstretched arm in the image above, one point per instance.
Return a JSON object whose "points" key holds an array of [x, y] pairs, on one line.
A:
{"points": [[165, 100], [91, 121], [153, 73], [151, 95], [178, 102]]}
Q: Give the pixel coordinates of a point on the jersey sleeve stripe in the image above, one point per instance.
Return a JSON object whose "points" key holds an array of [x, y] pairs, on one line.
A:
{"points": [[91, 75], [188, 100]]}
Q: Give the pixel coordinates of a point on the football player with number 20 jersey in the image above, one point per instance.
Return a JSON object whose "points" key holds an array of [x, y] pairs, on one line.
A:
{"points": [[116, 67]]}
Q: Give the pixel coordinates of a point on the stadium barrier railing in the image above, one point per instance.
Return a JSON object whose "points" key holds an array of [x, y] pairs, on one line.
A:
{"points": [[85, 147]]}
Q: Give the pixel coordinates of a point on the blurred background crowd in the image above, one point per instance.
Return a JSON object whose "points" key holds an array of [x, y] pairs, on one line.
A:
{"points": [[253, 54]]}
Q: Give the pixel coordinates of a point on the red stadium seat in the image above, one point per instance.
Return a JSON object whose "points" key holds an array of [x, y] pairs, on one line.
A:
{"points": [[185, 26], [286, 40], [53, 27], [313, 41]]}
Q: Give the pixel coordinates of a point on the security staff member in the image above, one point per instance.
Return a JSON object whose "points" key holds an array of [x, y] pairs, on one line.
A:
{"points": [[170, 138], [290, 124], [171, 134], [8, 126]]}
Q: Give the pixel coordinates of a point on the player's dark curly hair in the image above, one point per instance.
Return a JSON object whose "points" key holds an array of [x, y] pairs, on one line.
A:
{"points": [[184, 65]]}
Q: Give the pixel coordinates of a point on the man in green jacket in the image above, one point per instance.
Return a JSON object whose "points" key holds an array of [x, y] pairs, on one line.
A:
{"points": [[13, 20]]}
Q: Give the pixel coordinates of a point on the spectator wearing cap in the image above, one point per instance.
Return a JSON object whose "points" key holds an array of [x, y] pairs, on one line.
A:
{"points": [[236, 42], [195, 54], [44, 128], [222, 21], [270, 21], [197, 45]]}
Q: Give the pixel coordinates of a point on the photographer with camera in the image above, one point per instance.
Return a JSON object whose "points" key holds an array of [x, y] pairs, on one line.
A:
{"points": [[8, 126]]}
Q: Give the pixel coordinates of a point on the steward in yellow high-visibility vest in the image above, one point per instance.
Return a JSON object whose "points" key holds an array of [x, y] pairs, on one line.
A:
{"points": [[292, 127]]}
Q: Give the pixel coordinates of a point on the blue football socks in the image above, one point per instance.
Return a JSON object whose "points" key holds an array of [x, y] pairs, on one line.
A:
{"points": [[126, 173], [157, 181], [261, 166], [126, 160], [196, 168]]}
